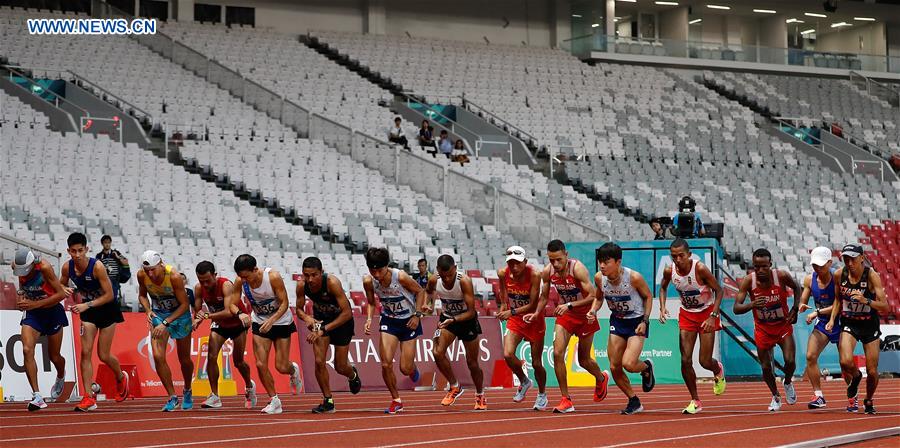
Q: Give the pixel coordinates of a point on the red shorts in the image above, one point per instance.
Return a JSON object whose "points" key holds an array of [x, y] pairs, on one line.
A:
{"points": [[533, 332], [691, 320], [767, 336], [576, 323]]}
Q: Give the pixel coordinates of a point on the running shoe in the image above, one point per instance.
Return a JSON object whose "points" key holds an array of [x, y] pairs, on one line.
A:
{"points": [[853, 387], [274, 406], [250, 396], [541, 402], [853, 404], [601, 388], [564, 407], [37, 403], [187, 403], [634, 406], [58, 386], [817, 403], [452, 395], [719, 384], [212, 402], [775, 405], [86, 404], [296, 382], [395, 407], [326, 407], [171, 404], [870, 407], [790, 393], [480, 402], [355, 382], [648, 380], [415, 376], [693, 407], [522, 390], [122, 386]]}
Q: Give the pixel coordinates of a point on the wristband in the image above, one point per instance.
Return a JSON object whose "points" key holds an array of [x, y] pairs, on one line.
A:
{"points": [[569, 305], [165, 323], [419, 314], [317, 326], [512, 311], [645, 319], [714, 314]]}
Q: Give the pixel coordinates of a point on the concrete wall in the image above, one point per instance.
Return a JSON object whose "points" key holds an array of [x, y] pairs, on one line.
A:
{"points": [[60, 120], [673, 24], [867, 39]]}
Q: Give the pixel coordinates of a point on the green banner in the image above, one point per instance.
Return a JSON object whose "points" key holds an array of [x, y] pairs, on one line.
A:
{"points": [[661, 347]]}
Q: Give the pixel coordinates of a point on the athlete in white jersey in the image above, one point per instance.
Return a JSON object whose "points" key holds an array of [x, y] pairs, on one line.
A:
{"points": [[630, 302], [402, 300], [699, 316], [458, 320], [271, 323]]}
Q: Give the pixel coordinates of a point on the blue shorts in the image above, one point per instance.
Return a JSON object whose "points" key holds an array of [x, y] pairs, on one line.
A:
{"points": [[46, 321], [178, 328], [397, 327], [626, 327], [835, 336]]}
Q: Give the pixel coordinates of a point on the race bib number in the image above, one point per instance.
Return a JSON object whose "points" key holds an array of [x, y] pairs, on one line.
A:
{"points": [[856, 307], [394, 307], [690, 301], [437, 333], [454, 308], [771, 314], [519, 300], [266, 308], [166, 303], [619, 306]]}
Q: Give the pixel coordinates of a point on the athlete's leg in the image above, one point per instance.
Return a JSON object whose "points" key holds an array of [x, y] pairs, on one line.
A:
{"points": [[472, 353], [586, 356], [615, 348], [342, 360], [440, 355], [183, 348], [846, 346], [510, 344], [239, 345], [320, 351], [88, 334], [537, 364], [408, 357], [687, 340], [29, 340], [789, 352], [768, 372], [283, 356], [388, 347], [216, 341], [560, 343], [104, 349], [814, 346], [707, 345], [159, 345], [261, 347], [872, 350], [631, 359], [54, 346]]}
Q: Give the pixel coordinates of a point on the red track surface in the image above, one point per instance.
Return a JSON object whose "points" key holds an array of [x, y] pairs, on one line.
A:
{"points": [[738, 418]]}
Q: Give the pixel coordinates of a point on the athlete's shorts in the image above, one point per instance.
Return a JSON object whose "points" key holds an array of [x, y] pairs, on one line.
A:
{"points": [[276, 332], [465, 330], [692, 320], [767, 336], [576, 323], [178, 328], [397, 327], [229, 332], [834, 336], [532, 332], [340, 336], [104, 315], [864, 330], [627, 328], [46, 321]]}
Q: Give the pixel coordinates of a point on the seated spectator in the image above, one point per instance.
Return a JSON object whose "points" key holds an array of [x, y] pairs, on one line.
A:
{"points": [[459, 153], [687, 223], [426, 135], [659, 232], [445, 145], [395, 135]]}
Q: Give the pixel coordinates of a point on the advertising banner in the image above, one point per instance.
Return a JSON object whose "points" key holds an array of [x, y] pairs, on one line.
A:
{"points": [[12, 362]]}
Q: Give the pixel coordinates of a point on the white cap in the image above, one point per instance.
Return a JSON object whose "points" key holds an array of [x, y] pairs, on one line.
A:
{"points": [[515, 253], [820, 256], [23, 262], [150, 258]]}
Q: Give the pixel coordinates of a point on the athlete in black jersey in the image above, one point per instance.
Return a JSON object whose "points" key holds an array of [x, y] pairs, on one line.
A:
{"points": [[331, 323], [859, 296]]}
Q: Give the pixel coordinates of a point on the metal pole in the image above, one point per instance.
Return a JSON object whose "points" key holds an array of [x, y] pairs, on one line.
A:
{"points": [[446, 175], [396, 164], [496, 207], [165, 130]]}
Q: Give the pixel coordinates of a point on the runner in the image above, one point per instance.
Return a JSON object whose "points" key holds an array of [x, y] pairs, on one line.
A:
{"points": [[99, 314], [161, 293], [701, 297], [272, 324], [523, 310], [819, 285], [212, 290], [860, 296], [458, 320], [572, 283], [400, 324], [39, 297], [330, 324], [768, 290], [630, 303]]}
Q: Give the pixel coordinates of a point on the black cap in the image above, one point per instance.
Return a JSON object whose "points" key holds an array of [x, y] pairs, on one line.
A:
{"points": [[852, 250]]}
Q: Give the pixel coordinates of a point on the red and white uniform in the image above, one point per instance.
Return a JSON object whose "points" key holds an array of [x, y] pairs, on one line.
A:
{"points": [[771, 321], [696, 300], [519, 294], [569, 290], [215, 302]]}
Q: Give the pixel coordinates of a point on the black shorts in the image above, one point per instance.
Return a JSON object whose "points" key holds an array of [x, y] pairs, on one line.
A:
{"points": [[342, 335], [104, 315], [230, 332], [276, 332], [465, 330], [865, 330]]}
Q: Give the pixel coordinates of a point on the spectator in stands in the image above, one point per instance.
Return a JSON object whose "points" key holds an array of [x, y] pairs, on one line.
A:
{"points": [[426, 135], [422, 278], [687, 223], [459, 153], [395, 135], [116, 266], [190, 293], [445, 145], [659, 232]]}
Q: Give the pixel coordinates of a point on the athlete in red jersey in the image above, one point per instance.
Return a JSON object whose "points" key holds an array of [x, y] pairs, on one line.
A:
{"points": [[573, 283], [227, 323], [523, 310], [769, 289]]}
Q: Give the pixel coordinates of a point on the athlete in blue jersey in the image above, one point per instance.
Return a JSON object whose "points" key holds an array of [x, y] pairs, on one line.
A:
{"points": [[820, 286], [401, 299]]}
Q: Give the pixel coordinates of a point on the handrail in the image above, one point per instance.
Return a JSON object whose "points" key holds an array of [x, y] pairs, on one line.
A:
{"points": [[452, 121], [888, 87], [852, 139], [467, 101], [33, 82], [33, 247], [782, 121]]}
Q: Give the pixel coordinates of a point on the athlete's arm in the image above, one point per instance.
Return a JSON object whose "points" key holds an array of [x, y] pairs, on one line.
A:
{"points": [[468, 292], [280, 293], [544, 295], [431, 288], [503, 296], [105, 284], [337, 291], [413, 286], [59, 294], [739, 306], [300, 304], [836, 305], [880, 303], [789, 281], [369, 288], [663, 288], [804, 299], [142, 295], [226, 311], [640, 285], [598, 294], [537, 300], [584, 279], [184, 305], [706, 277], [198, 303]]}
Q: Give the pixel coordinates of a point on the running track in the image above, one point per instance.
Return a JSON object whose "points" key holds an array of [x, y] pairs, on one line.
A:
{"points": [[738, 418]]}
